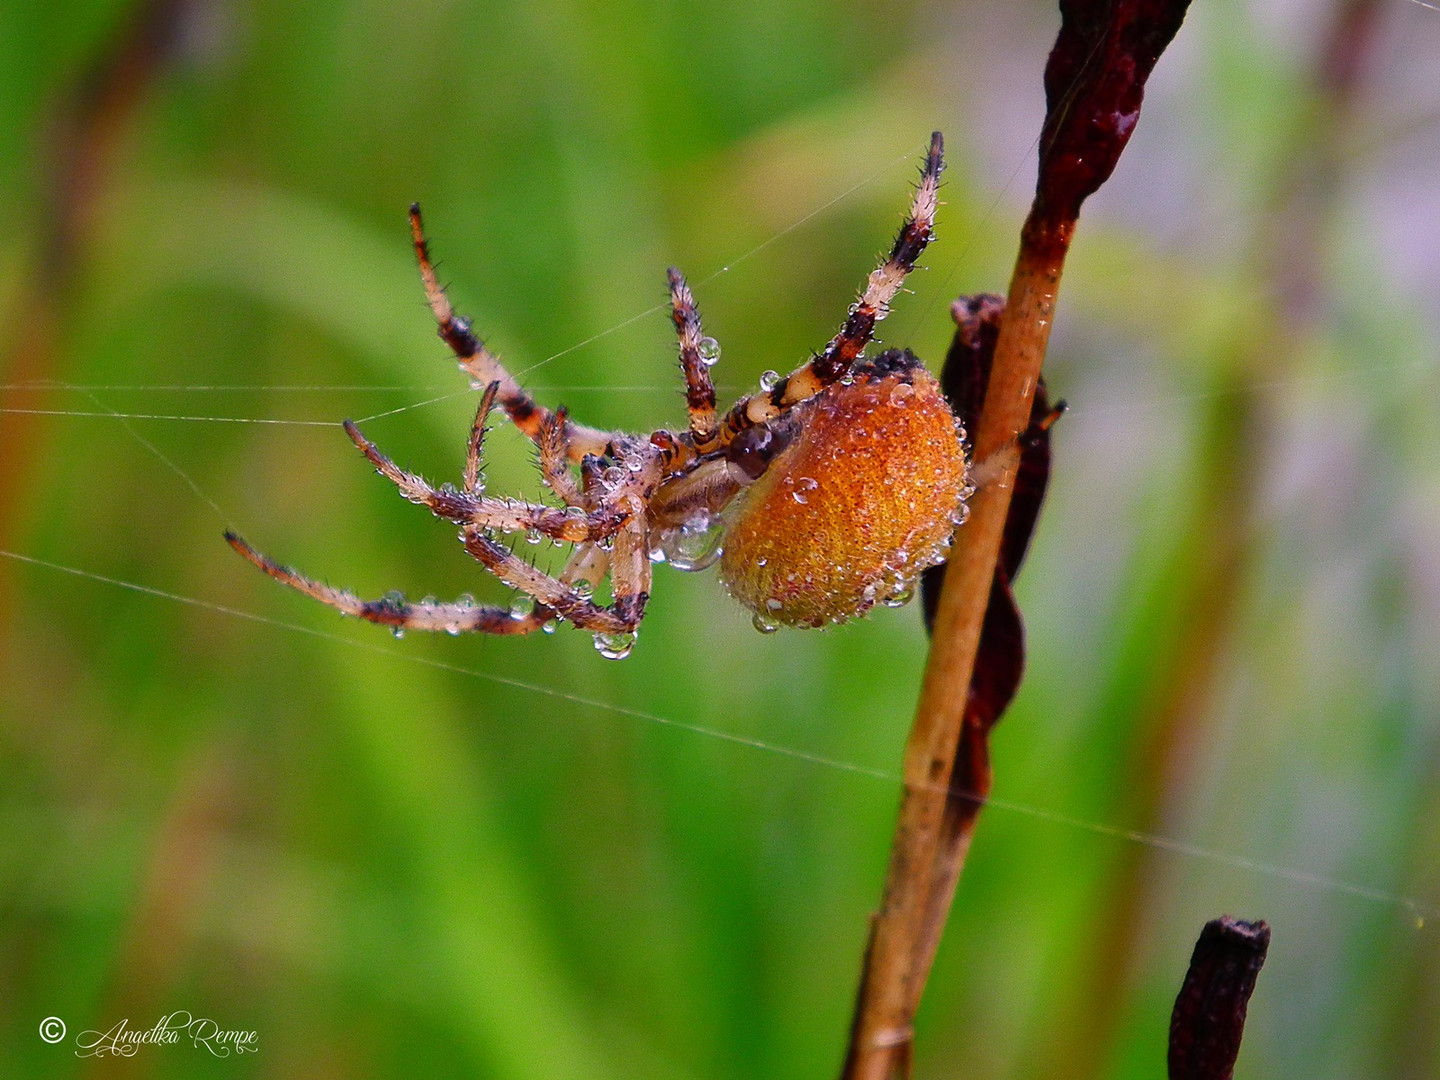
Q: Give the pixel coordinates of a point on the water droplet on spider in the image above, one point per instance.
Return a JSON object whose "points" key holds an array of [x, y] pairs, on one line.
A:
{"points": [[848, 379], [549, 627], [447, 488], [522, 606], [614, 646], [695, 544], [803, 487], [764, 623], [583, 589], [532, 536], [903, 594], [465, 601], [709, 350], [769, 380], [901, 394], [398, 631], [613, 477], [475, 384], [657, 553], [961, 514]]}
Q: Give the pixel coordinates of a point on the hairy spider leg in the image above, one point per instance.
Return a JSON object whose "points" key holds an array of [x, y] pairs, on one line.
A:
{"points": [[844, 348], [485, 512], [459, 617], [554, 450], [562, 599], [484, 367], [473, 480], [699, 390], [630, 571]]}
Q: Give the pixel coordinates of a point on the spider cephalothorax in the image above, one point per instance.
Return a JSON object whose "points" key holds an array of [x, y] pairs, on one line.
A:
{"points": [[823, 494]]}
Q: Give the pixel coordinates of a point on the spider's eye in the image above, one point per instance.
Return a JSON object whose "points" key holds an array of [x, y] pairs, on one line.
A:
{"points": [[754, 448]]}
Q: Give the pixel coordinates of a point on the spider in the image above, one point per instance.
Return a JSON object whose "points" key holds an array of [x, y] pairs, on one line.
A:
{"points": [[822, 494]]}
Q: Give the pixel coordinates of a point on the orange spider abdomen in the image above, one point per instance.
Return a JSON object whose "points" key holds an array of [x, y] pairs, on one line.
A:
{"points": [[864, 498]]}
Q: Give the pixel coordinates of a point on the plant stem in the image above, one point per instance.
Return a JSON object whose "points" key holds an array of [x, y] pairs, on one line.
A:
{"points": [[923, 869]]}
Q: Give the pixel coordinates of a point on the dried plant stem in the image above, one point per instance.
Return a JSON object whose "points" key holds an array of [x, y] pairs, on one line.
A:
{"points": [[928, 856], [1094, 85]]}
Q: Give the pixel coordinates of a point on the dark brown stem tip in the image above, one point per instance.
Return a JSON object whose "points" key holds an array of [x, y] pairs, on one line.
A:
{"points": [[1209, 1016], [1094, 83]]}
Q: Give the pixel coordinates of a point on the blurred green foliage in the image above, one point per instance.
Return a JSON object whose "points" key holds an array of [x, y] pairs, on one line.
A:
{"points": [[515, 859]]}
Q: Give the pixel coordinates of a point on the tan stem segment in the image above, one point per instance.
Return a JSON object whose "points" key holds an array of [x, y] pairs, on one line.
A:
{"points": [[926, 858]]}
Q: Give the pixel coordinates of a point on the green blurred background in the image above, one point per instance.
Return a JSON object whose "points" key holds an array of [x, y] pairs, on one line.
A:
{"points": [[515, 859]]}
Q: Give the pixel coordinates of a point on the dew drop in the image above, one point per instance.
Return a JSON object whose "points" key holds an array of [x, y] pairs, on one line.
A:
{"points": [[522, 606], [695, 545], [613, 477], [803, 487], [903, 594], [769, 380], [583, 589], [901, 394], [773, 604], [475, 384], [398, 631], [447, 488], [709, 350], [764, 624], [548, 628], [614, 646], [532, 536]]}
